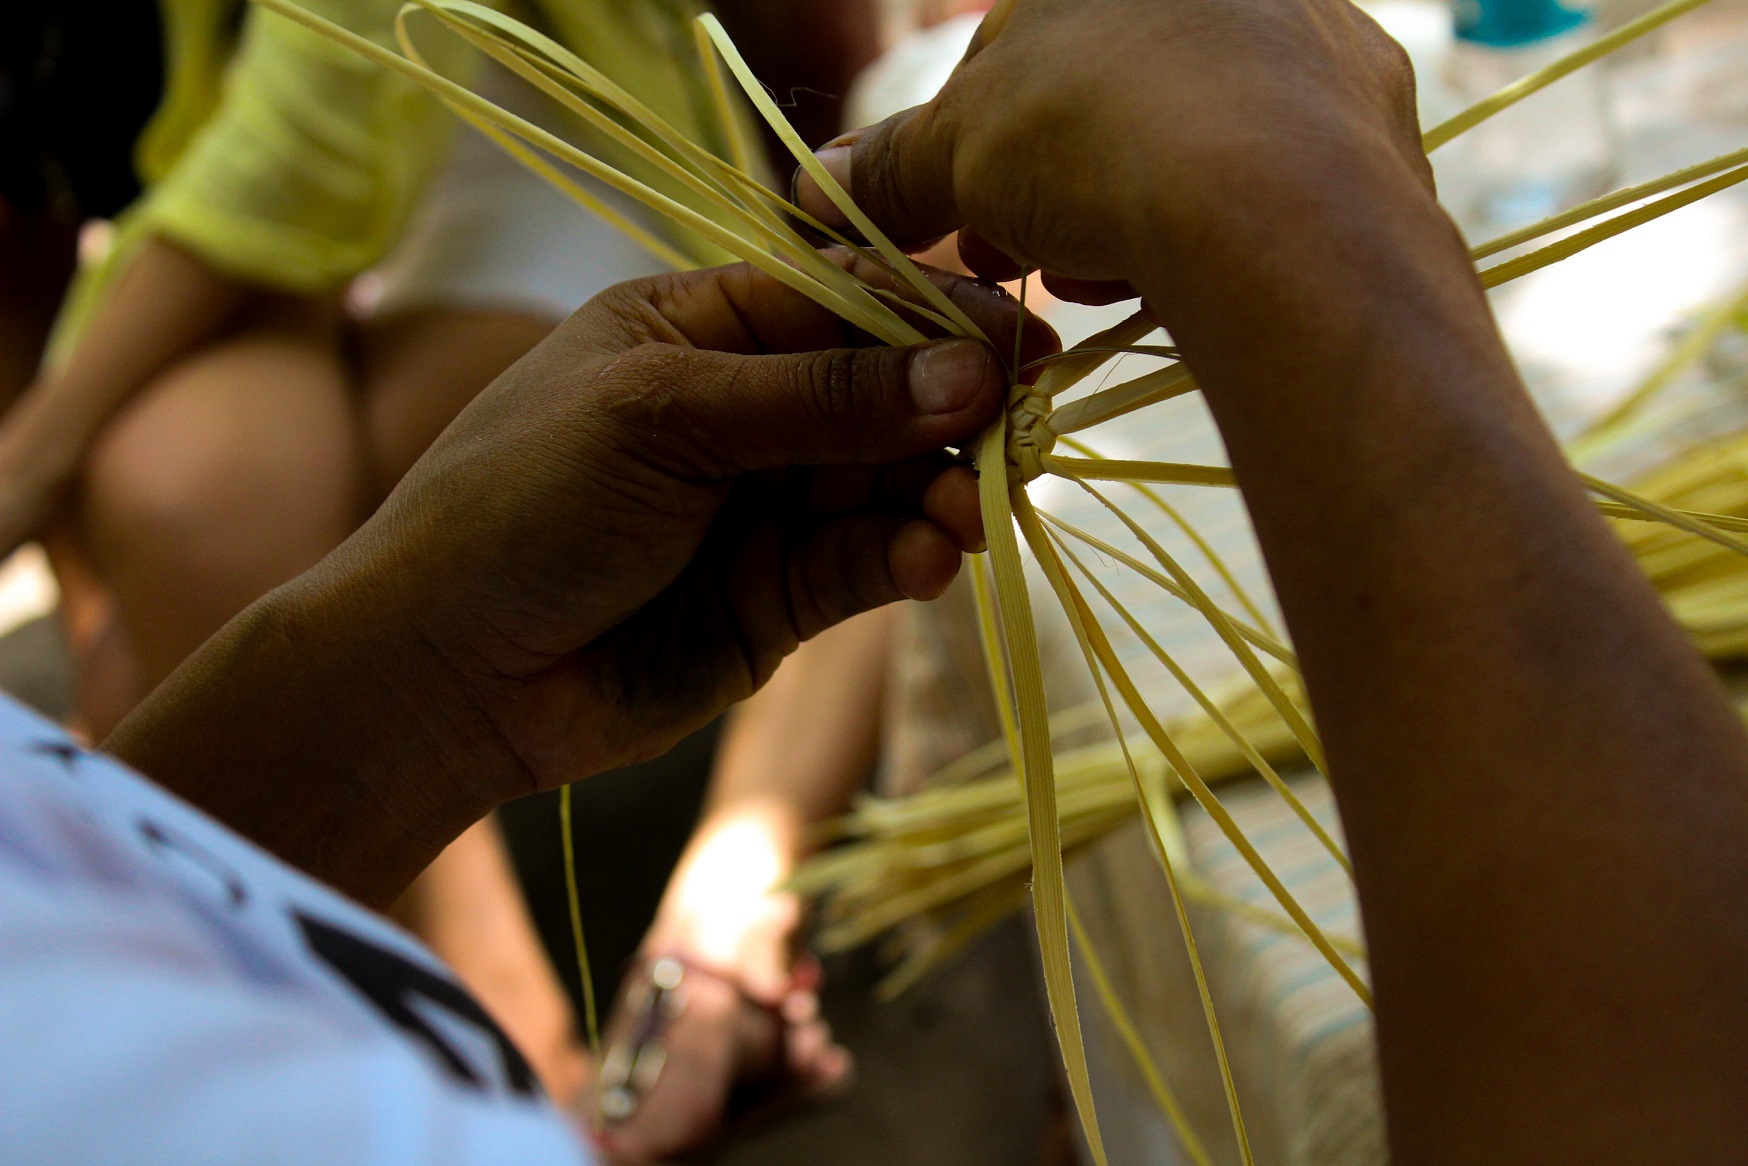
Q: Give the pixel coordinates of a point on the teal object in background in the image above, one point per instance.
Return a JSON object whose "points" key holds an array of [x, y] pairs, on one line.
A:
{"points": [[1511, 23]]}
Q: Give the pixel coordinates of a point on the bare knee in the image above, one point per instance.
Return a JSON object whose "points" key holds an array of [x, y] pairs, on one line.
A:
{"points": [[234, 471]]}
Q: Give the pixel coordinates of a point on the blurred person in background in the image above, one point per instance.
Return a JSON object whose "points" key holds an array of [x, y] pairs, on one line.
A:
{"points": [[304, 284]]}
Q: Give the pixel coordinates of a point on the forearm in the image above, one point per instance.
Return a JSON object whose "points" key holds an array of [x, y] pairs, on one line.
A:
{"points": [[1543, 786], [317, 727]]}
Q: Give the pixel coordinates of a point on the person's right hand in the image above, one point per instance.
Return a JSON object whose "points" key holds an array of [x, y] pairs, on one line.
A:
{"points": [[749, 1009], [731, 1036], [1099, 139]]}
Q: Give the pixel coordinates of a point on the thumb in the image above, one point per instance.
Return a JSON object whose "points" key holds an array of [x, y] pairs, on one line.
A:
{"points": [[718, 414], [899, 172]]}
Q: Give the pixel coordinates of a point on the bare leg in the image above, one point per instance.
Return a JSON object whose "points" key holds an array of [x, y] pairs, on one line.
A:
{"points": [[467, 908], [245, 464], [236, 470]]}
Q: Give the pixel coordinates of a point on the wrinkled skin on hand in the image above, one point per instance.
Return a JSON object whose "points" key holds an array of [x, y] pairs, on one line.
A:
{"points": [[1045, 147], [616, 540]]}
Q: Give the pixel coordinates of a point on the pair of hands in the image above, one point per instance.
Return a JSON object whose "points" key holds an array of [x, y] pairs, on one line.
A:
{"points": [[626, 532], [1148, 170]]}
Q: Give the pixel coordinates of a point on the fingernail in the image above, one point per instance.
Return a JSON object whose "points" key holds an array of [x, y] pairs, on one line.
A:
{"points": [[945, 377], [808, 195], [836, 160]]}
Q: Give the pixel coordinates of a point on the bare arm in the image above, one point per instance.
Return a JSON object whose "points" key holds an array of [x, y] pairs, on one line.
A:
{"points": [[1545, 789], [793, 755]]}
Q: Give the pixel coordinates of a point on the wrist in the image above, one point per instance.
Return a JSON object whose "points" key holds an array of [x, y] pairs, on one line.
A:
{"points": [[422, 720], [1284, 274], [314, 725]]}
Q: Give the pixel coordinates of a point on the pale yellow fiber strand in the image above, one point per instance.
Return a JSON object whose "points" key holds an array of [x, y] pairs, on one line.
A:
{"points": [[882, 323], [1635, 513], [1224, 628], [1683, 356], [994, 656], [1676, 518], [1196, 693], [554, 70], [1117, 470], [988, 757], [1162, 384], [1614, 200], [1164, 351], [1511, 269], [1034, 765], [829, 186], [1199, 890], [1120, 1020], [573, 899], [741, 151], [1262, 640], [578, 193], [1089, 636], [1100, 646], [1238, 590], [1068, 370], [1541, 78], [1624, 504]]}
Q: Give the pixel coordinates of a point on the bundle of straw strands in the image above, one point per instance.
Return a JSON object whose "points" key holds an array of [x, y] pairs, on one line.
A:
{"points": [[1003, 840]]}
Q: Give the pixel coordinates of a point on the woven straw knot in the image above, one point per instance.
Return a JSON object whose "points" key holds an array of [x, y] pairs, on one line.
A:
{"points": [[1029, 437]]}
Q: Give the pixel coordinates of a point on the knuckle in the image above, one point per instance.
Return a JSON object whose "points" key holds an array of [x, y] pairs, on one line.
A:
{"points": [[643, 397], [832, 386], [901, 172], [631, 313]]}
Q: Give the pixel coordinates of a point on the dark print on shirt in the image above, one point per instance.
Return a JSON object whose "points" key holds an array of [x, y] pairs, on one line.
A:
{"points": [[392, 982]]}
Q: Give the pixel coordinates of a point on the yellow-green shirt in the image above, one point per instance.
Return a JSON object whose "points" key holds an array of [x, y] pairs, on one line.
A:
{"points": [[286, 160]]}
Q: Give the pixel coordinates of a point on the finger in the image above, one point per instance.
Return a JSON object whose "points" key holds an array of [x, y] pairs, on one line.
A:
{"points": [[923, 560], [953, 506], [985, 259], [1089, 291], [711, 416], [890, 489], [744, 310], [819, 1066], [900, 172], [845, 566], [993, 22]]}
